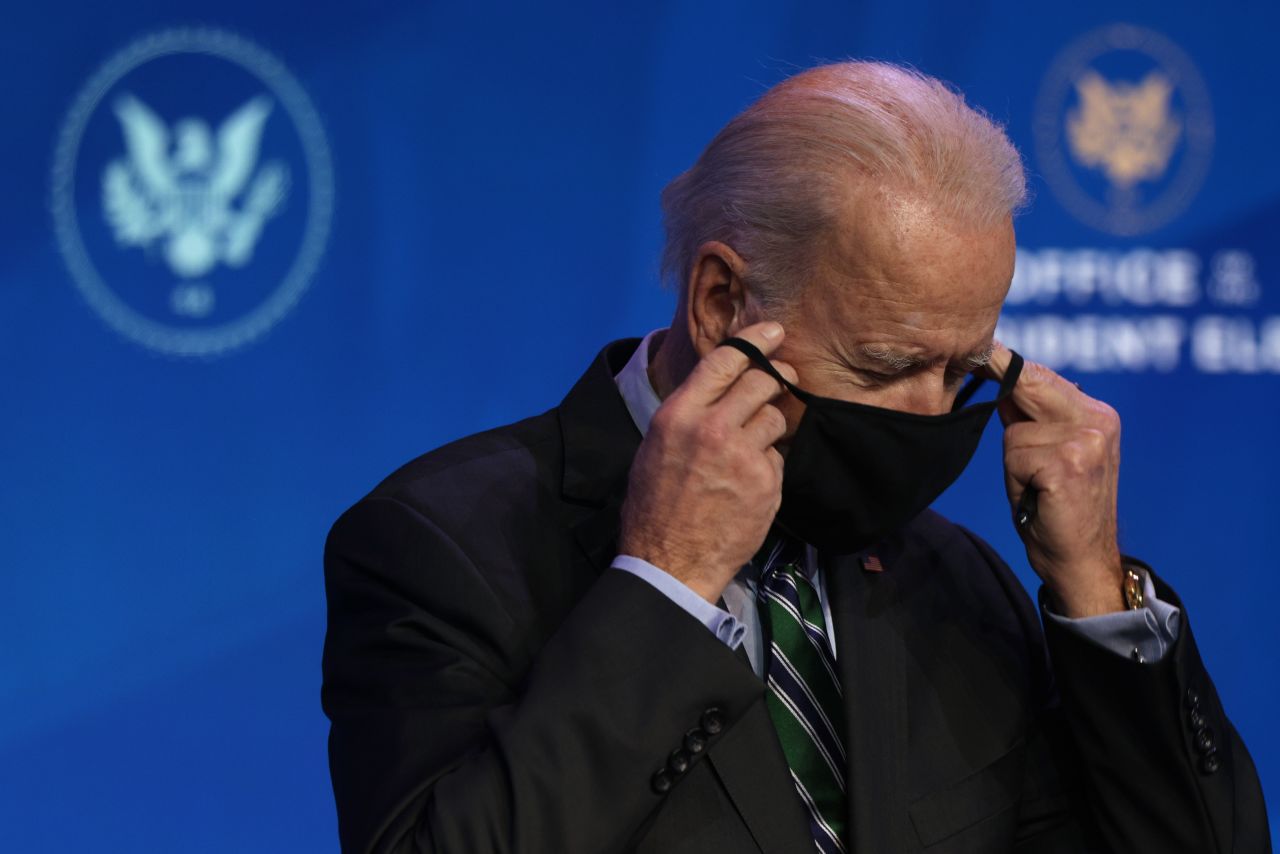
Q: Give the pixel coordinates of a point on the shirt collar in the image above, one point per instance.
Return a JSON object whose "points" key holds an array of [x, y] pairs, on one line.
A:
{"points": [[634, 386]]}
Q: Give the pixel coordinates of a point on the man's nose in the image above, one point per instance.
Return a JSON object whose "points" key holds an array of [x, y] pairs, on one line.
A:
{"points": [[930, 395]]}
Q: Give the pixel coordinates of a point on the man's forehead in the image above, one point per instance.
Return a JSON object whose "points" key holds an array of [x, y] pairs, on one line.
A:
{"points": [[886, 234]]}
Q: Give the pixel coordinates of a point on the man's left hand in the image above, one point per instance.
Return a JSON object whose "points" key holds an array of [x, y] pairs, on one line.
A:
{"points": [[1064, 445]]}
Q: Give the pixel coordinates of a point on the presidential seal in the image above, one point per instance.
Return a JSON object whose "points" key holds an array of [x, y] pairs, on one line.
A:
{"points": [[192, 191], [1123, 129]]}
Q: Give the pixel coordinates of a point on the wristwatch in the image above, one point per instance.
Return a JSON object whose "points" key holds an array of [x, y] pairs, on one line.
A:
{"points": [[1134, 596]]}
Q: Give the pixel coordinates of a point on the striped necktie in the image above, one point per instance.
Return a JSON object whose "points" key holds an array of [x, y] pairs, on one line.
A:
{"points": [[803, 692]]}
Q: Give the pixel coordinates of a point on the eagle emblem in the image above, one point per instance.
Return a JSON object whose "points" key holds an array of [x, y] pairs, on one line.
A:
{"points": [[1127, 130], [200, 196]]}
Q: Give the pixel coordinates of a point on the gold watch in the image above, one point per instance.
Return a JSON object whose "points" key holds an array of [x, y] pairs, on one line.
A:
{"points": [[1134, 596]]}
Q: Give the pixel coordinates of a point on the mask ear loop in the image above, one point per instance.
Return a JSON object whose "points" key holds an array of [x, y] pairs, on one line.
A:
{"points": [[966, 393], [1006, 385], [762, 362]]}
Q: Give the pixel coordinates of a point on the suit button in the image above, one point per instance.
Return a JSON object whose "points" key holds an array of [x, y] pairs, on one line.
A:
{"points": [[712, 721], [1204, 740], [1196, 719], [1193, 698], [1210, 762], [678, 761], [661, 781], [695, 741]]}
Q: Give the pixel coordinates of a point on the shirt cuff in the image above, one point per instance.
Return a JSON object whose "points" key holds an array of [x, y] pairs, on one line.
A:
{"points": [[1144, 635], [720, 622]]}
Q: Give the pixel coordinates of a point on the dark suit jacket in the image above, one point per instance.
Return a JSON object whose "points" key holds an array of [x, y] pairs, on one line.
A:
{"points": [[493, 686]]}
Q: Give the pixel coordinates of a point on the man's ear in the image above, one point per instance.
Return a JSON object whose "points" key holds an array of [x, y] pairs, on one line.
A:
{"points": [[716, 296]]}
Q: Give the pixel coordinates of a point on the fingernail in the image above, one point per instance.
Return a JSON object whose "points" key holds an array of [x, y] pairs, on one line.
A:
{"points": [[772, 331]]}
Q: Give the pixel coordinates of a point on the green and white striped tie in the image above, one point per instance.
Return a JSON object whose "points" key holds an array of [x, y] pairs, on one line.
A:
{"points": [[803, 693]]}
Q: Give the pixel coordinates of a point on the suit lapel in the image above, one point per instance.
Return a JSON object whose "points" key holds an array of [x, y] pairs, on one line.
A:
{"points": [[599, 440], [871, 658]]}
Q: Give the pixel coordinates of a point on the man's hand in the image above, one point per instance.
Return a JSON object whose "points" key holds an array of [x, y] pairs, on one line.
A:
{"points": [[1066, 446], [707, 481]]}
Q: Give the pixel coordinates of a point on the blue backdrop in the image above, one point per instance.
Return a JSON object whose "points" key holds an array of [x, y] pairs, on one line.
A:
{"points": [[256, 255]]}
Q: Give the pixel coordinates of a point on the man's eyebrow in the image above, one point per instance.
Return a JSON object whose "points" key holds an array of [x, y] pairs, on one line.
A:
{"points": [[980, 359], [896, 360]]}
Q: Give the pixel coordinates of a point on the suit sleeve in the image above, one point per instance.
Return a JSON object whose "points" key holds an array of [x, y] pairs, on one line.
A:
{"points": [[443, 740], [1162, 767], [1116, 756]]}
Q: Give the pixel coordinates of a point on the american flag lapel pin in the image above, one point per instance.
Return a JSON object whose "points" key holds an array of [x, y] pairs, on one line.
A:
{"points": [[871, 563]]}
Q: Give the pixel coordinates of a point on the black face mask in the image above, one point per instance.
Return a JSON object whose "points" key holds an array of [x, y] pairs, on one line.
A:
{"points": [[855, 473]]}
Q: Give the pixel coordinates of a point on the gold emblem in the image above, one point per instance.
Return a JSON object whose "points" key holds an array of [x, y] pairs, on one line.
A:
{"points": [[1123, 129], [1126, 130]]}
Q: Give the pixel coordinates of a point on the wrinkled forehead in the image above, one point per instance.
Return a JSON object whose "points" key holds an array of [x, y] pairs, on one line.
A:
{"points": [[897, 234], [919, 252], [896, 272]]}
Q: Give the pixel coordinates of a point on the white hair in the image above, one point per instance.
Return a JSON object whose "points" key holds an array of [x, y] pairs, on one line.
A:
{"points": [[776, 177]]}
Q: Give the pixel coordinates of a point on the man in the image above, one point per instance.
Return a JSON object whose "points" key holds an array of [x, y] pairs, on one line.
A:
{"points": [[700, 606]]}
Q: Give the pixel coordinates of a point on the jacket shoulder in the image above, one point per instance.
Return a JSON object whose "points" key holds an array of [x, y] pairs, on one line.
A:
{"points": [[511, 458], [465, 511]]}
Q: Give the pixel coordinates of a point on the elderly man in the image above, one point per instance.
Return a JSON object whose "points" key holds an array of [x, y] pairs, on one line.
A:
{"points": [[701, 606]]}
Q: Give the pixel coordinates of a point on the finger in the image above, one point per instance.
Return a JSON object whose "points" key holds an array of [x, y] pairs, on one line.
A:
{"points": [[765, 427], [720, 368], [995, 368], [1010, 413], [1024, 469], [752, 390], [1049, 468], [1038, 434], [1040, 394], [777, 461]]}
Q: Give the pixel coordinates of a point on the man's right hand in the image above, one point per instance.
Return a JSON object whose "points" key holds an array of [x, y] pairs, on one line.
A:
{"points": [[707, 480]]}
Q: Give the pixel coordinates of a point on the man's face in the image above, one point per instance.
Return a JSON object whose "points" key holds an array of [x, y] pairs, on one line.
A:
{"points": [[901, 309]]}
